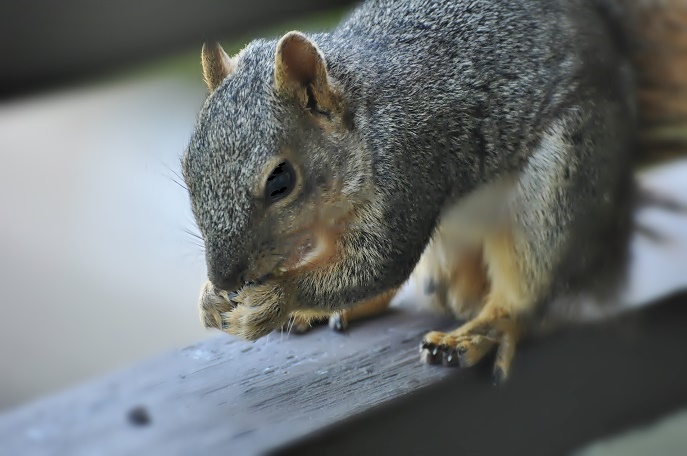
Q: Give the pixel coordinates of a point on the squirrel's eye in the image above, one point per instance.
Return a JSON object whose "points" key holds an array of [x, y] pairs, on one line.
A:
{"points": [[280, 182]]}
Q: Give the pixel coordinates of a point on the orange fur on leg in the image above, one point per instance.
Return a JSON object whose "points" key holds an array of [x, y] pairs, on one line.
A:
{"points": [[454, 276], [303, 320], [339, 321], [498, 324]]}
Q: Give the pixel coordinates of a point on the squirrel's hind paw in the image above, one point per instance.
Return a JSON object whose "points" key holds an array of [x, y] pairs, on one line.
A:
{"points": [[470, 343]]}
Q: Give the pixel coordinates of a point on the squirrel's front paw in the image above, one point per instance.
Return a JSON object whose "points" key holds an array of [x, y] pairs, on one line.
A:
{"points": [[251, 313], [255, 311], [213, 304]]}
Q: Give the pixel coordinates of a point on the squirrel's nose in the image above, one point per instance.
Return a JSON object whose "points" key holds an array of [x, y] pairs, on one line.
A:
{"points": [[226, 283], [224, 271]]}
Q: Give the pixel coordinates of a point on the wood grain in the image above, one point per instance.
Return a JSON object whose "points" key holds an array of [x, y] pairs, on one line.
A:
{"points": [[226, 396], [580, 386]]}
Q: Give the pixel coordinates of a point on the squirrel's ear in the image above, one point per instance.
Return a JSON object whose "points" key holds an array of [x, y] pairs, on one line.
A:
{"points": [[298, 63], [217, 65]]}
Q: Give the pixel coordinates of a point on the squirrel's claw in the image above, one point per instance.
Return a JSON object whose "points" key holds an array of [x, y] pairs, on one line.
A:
{"points": [[338, 321]]}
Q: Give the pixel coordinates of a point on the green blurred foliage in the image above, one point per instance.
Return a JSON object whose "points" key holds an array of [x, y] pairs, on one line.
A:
{"points": [[187, 64]]}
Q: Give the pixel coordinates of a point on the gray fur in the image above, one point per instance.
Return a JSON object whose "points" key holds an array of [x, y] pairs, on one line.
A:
{"points": [[442, 97]]}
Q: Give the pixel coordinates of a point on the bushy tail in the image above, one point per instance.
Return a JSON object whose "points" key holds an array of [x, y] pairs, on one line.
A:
{"points": [[658, 45]]}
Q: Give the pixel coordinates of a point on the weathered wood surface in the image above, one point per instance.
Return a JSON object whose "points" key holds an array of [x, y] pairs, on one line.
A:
{"points": [[225, 396], [577, 387]]}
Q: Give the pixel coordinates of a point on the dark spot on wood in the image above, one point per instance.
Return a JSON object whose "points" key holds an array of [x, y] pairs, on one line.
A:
{"points": [[139, 416]]}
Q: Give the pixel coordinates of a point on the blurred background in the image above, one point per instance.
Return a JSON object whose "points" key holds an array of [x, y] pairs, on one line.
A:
{"points": [[98, 100]]}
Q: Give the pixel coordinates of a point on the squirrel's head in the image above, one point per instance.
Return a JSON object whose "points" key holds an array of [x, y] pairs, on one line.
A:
{"points": [[274, 168]]}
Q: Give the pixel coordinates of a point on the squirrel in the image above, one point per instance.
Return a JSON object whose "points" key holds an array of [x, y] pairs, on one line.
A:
{"points": [[485, 147]]}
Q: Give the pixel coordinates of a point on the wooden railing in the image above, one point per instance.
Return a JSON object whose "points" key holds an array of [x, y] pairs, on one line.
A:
{"points": [[367, 393]]}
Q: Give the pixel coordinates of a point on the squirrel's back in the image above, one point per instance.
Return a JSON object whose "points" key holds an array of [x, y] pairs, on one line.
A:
{"points": [[498, 68]]}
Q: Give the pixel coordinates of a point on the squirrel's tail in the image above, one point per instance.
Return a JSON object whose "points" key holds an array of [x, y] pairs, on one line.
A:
{"points": [[658, 46]]}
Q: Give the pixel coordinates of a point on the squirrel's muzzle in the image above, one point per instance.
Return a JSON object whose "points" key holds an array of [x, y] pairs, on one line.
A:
{"points": [[225, 283], [226, 275]]}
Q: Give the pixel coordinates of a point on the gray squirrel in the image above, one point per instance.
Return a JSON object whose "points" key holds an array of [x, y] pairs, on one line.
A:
{"points": [[487, 145]]}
